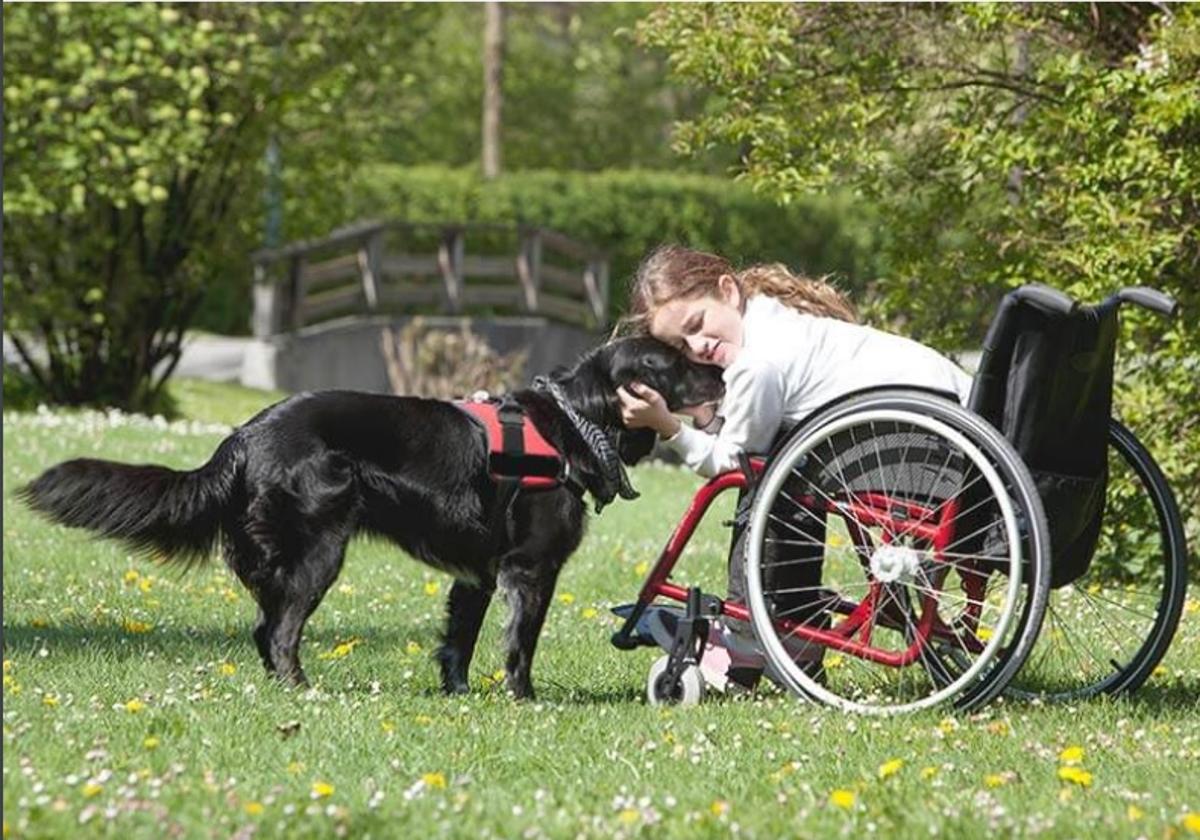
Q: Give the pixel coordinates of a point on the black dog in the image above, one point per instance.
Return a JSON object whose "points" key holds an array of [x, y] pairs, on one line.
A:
{"points": [[286, 491]]}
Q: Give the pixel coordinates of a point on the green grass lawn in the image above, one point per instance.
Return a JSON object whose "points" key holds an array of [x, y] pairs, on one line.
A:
{"points": [[135, 705]]}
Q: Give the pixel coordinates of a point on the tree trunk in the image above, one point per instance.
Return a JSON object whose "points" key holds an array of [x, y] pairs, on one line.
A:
{"points": [[493, 95], [1016, 175]]}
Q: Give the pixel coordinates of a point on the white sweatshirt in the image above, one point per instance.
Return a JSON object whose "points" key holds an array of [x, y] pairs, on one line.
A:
{"points": [[792, 364]]}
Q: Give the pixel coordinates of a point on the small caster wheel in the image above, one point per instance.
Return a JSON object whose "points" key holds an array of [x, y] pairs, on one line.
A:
{"points": [[689, 692]]}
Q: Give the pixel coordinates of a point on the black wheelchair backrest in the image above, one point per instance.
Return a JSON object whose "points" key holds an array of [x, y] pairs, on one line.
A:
{"points": [[1045, 380]]}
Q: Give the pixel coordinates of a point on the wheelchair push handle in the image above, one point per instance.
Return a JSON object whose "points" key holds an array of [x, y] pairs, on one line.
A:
{"points": [[1046, 298], [1152, 299]]}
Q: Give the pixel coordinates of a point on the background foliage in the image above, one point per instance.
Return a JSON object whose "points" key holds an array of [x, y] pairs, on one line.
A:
{"points": [[134, 136]]}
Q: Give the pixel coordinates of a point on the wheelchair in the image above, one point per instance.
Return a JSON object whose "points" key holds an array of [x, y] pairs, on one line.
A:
{"points": [[933, 553]]}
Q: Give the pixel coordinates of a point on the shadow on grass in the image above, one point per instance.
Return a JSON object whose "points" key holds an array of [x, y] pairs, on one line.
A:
{"points": [[1176, 695], [169, 641], [1179, 694]]}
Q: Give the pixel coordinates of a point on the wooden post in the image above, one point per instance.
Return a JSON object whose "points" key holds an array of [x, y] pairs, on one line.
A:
{"points": [[295, 287], [265, 320], [591, 286], [529, 266], [368, 267], [450, 260]]}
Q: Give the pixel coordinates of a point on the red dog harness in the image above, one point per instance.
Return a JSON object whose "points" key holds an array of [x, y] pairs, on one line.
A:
{"points": [[516, 449]]}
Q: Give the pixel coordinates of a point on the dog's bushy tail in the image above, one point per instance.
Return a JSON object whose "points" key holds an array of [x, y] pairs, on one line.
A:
{"points": [[153, 509]]}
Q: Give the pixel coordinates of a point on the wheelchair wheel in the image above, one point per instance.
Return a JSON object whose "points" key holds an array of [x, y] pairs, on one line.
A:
{"points": [[689, 692], [1108, 630], [905, 536]]}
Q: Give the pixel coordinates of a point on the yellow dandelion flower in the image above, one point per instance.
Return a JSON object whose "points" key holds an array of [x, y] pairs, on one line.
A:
{"points": [[432, 587], [836, 540], [346, 589], [50, 700], [842, 798], [999, 727], [719, 807], [145, 583], [1191, 606], [131, 576], [1160, 671], [498, 675], [133, 626], [1071, 755], [253, 808], [295, 767], [91, 789], [227, 669], [1134, 813], [434, 780], [1191, 822], [321, 790], [835, 660], [947, 725], [387, 726], [628, 816], [134, 706], [341, 650], [890, 768], [7, 665], [39, 623], [566, 598], [412, 647], [928, 772], [151, 742], [423, 720], [589, 613], [641, 568], [995, 780], [984, 633]]}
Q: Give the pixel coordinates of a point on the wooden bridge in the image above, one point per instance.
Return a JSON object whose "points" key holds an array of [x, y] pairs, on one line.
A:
{"points": [[453, 269], [321, 305]]}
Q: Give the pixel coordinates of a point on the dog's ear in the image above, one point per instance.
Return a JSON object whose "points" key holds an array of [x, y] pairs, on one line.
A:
{"points": [[635, 444]]}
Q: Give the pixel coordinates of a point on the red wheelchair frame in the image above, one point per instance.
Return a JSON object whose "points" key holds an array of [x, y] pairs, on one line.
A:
{"points": [[896, 517]]}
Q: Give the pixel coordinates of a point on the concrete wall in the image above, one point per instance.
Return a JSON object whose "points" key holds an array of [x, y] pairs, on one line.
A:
{"points": [[346, 353]]}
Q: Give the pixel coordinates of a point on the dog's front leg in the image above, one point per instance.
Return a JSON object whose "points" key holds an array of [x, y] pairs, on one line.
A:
{"points": [[465, 608], [528, 586]]}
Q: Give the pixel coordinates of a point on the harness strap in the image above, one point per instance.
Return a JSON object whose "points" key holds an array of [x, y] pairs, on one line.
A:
{"points": [[519, 458]]}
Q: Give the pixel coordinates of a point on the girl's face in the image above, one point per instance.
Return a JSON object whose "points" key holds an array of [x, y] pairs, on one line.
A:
{"points": [[708, 329]]}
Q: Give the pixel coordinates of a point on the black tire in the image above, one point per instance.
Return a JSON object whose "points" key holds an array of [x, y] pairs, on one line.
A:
{"points": [[1106, 632]]}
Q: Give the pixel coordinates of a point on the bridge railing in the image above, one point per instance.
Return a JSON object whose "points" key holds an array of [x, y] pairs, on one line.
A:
{"points": [[406, 267]]}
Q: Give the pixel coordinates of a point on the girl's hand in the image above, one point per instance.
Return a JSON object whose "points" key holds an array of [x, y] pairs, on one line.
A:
{"points": [[644, 408]]}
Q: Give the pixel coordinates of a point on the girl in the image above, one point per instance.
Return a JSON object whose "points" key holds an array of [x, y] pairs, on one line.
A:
{"points": [[788, 345]]}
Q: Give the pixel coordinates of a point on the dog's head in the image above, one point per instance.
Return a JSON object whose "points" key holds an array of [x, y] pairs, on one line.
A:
{"points": [[595, 380]]}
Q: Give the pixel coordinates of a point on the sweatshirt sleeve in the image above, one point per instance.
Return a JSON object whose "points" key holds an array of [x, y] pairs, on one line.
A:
{"points": [[753, 412]]}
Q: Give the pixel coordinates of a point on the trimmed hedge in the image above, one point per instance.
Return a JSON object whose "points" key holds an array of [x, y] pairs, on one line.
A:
{"points": [[627, 213]]}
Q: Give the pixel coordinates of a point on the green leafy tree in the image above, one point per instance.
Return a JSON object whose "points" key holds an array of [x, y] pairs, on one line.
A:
{"points": [[134, 136], [578, 92], [1005, 144]]}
